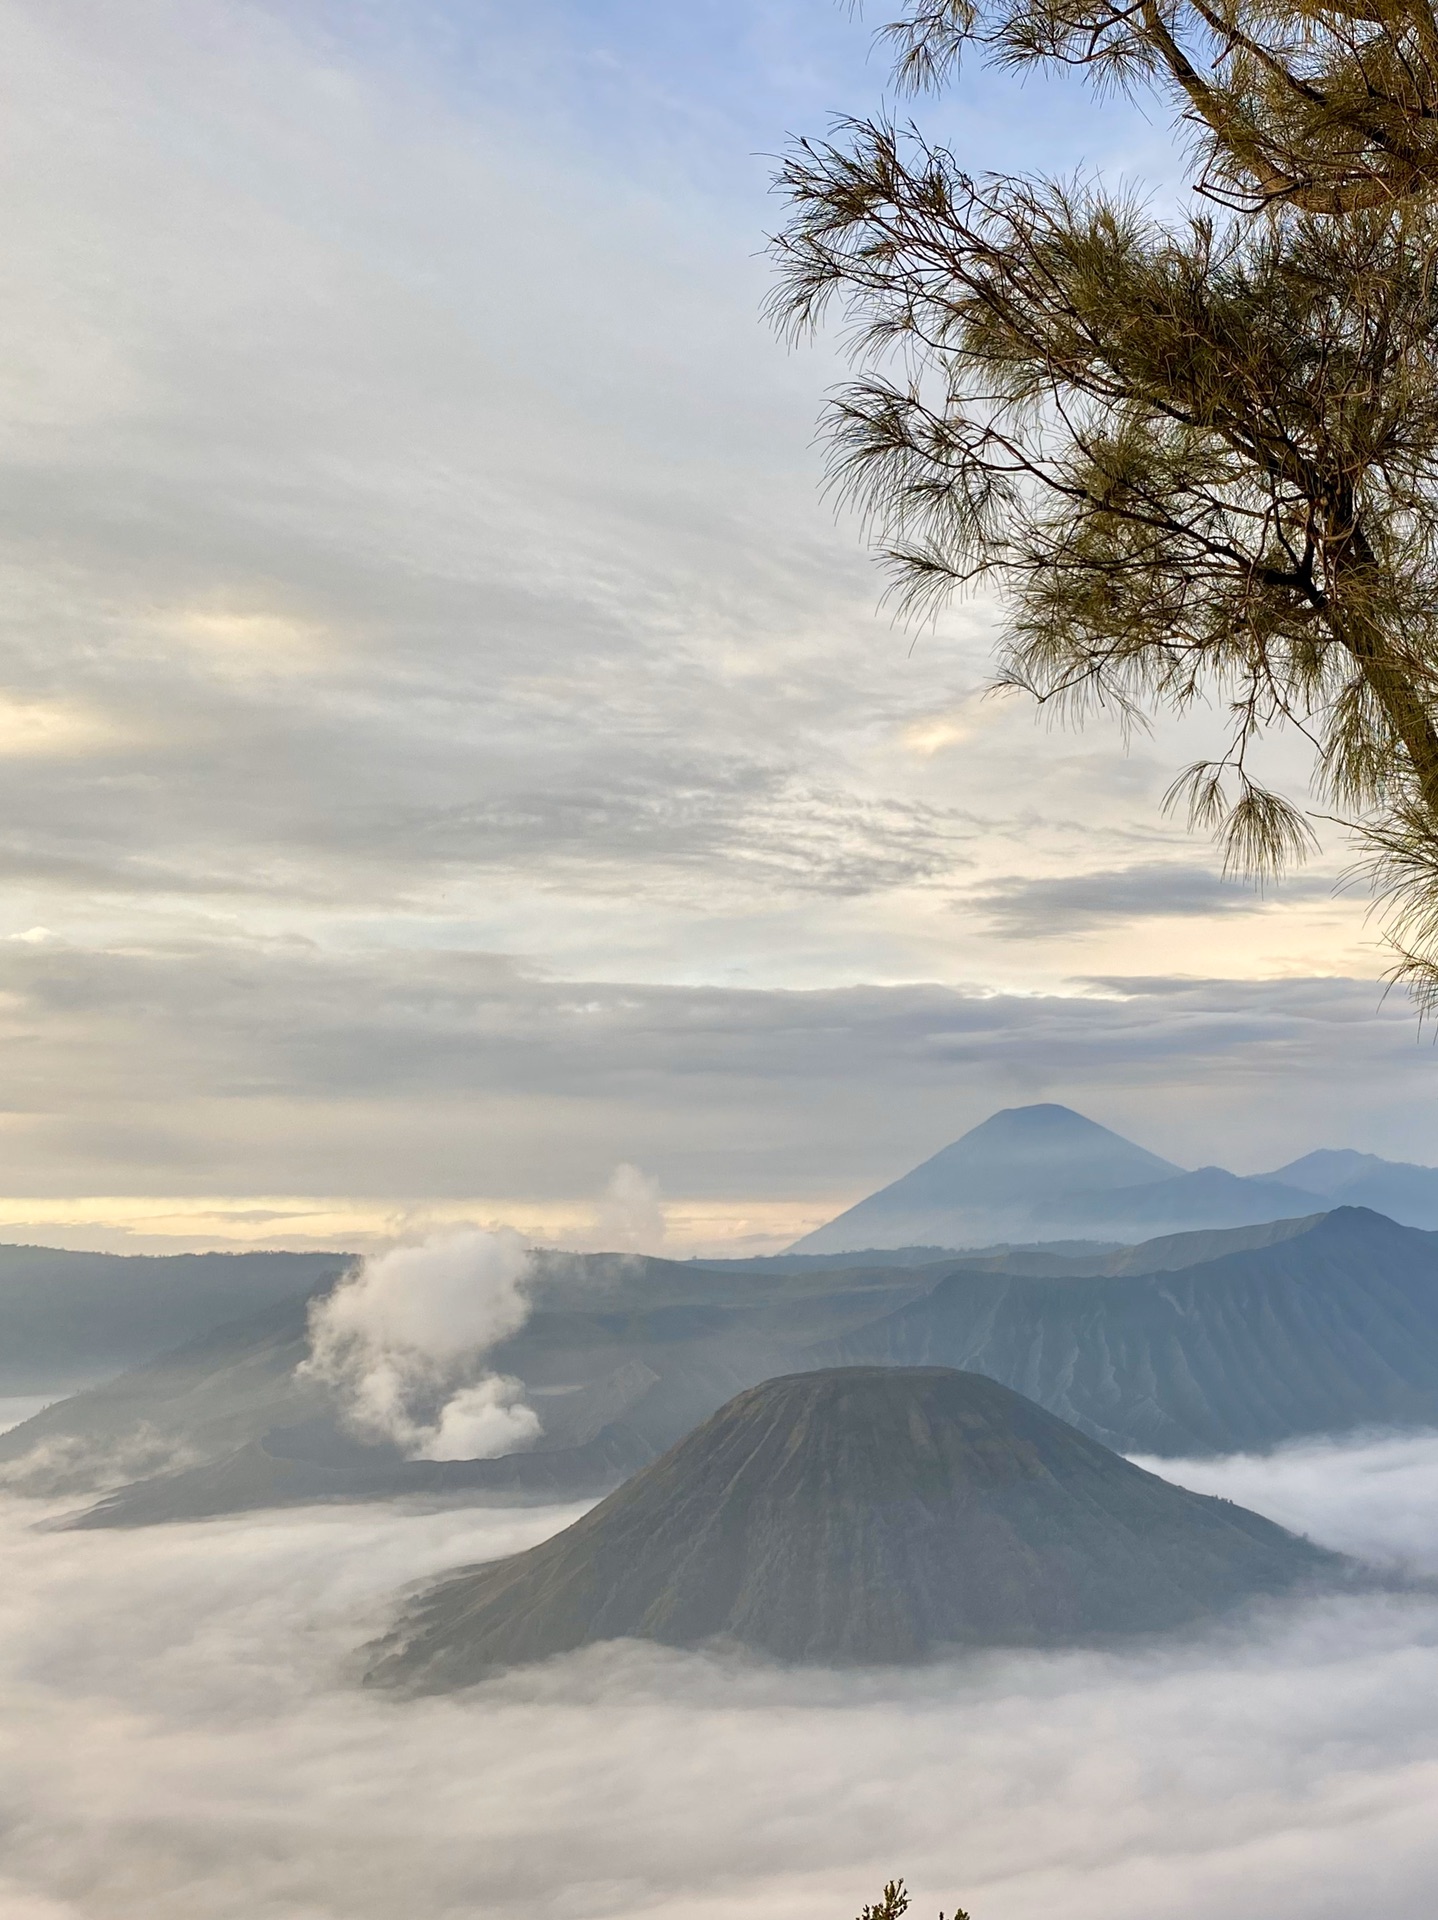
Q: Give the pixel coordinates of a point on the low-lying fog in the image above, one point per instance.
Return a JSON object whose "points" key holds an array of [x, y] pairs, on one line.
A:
{"points": [[181, 1741]]}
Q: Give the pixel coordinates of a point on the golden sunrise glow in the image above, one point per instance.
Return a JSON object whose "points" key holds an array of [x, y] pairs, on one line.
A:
{"points": [[127, 1222]]}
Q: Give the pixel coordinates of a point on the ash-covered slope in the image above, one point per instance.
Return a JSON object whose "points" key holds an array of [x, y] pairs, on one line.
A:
{"points": [[195, 1404], [1322, 1330], [867, 1515]]}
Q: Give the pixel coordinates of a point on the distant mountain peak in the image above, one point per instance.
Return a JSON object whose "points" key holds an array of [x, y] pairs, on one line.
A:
{"points": [[1048, 1121], [1328, 1168], [1343, 1177], [989, 1184], [1046, 1173]]}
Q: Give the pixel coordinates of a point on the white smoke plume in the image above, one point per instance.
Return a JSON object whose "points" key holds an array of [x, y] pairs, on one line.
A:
{"points": [[630, 1217], [403, 1341]]}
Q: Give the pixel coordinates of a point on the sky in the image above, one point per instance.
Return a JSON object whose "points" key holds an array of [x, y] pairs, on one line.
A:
{"points": [[183, 1741], [454, 763]]}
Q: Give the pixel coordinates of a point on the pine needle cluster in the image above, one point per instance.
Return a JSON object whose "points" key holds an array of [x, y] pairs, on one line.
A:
{"points": [[893, 1904], [1198, 458]]}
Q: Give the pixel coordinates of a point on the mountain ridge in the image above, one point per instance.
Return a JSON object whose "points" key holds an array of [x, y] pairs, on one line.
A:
{"points": [[69, 1319], [1265, 1335], [1326, 1330]]}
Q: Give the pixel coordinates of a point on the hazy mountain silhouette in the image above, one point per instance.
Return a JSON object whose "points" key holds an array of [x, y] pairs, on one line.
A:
{"points": [[988, 1185], [67, 1319], [1347, 1179], [1045, 1173], [620, 1357], [1056, 1258], [868, 1515], [1206, 1198]]}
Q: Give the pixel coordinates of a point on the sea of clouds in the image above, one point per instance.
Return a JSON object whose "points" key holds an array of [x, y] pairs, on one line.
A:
{"points": [[184, 1739]]}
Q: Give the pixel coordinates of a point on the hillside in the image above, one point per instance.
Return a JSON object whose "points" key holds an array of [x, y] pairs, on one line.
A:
{"points": [[861, 1515], [1207, 1342], [1326, 1329], [67, 1319], [620, 1357]]}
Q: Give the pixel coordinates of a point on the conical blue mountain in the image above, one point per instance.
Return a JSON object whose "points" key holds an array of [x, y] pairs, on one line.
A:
{"points": [[1047, 1173]]}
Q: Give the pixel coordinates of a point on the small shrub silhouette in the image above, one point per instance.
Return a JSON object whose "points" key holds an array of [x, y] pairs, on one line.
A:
{"points": [[894, 1902]]}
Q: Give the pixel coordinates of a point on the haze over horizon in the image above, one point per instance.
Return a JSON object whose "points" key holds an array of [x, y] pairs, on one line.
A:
{"points": [[328, 912]]}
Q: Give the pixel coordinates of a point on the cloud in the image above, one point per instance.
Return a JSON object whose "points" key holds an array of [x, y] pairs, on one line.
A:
{"points": [[1378, 1505], [273, 1067], [363, 584], [1061, 904], [184, 1738], [70, 1464], [438, 652], [386, 544], [402, 1339]]}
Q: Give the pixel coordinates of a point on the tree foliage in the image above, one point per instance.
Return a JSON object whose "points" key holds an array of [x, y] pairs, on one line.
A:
{"points": [[1197, 457], [893, 1903], [1328, 108]]}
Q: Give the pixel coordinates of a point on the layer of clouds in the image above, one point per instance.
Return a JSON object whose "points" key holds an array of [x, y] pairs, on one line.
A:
{"points": [[282, 1067], [1379, 1505], [1058, 905], [390, 537], [183, 1742], [402, 1340], [70, 1464]]}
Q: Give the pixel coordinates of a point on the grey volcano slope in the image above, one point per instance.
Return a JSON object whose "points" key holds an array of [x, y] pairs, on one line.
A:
{"points": [[1331, 1327], [863, 1515]]}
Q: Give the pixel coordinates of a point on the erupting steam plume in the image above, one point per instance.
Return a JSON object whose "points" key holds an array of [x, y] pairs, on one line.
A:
{"points": [[403, 1339]]}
